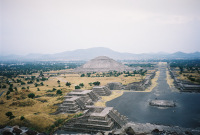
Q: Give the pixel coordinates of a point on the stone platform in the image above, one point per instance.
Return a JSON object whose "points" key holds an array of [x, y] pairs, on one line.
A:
{"points": [[162, 103]]}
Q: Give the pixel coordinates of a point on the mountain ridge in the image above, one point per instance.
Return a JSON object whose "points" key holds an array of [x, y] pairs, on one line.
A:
{"points": [[90, 53]]}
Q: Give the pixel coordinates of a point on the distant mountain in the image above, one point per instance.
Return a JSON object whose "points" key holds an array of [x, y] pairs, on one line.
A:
{"points": [[87, 54]]}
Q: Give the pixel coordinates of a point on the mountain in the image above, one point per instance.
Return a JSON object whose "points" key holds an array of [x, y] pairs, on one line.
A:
{"points": [[88, 54]]}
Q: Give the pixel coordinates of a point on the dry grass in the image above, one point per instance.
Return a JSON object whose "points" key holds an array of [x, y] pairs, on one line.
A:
{"points": [[104, 99], [75, 79], [37, 112]]}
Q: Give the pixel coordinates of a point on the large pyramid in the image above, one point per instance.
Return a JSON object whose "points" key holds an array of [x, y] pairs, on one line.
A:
{"points": [[102, 64]]}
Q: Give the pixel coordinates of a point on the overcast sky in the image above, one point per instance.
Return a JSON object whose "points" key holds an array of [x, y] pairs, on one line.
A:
{"points": [[135, 26]]}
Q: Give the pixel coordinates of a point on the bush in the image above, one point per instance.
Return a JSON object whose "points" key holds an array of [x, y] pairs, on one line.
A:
{"points": [[10, 115], [8, 97], [82, 75], [77, 87], [22, 118], [58, 81], [8, 92], [81, 85], [97, 83], [23, 83], [31, 95], [10, 89], [68, 84], [58, 92]]}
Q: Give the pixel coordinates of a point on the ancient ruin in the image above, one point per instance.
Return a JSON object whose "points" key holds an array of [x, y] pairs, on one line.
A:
{"points": [[115, 86], [142, 85], [182, 85], [77, 100], [162, 103], [101, 90], [102, 64], [96, 119]]}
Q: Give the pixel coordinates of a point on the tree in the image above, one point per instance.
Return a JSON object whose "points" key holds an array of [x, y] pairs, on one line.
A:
{"points": [[15, 88], [77, 87], [58, 81], [42, 84], [97, 83], [58, 92], [23, 83], [88, 74], [22, 118], [10, 89], [36, 84], [90, 84], [82, 75], [81, 85], [31, 95], [10, 115], [4, 86], [68, 84], [8, 92]]}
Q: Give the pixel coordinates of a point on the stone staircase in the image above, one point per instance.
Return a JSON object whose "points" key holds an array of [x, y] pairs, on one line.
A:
{"points": [[93, 96], [119, 120], [102, 90], [80, 104]]}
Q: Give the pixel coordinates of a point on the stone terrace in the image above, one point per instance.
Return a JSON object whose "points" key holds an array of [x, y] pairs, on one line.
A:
{"points": [[97, 119], [101, 90]]}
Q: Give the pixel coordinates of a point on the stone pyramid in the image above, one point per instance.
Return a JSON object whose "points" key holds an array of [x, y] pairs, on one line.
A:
{"points": [[102, 64]]}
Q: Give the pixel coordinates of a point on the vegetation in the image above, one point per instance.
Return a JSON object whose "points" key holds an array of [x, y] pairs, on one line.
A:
{"points": [[10, 115], [58, 92], [189, 69], [31, 95], [68, 84], [97, 83]]}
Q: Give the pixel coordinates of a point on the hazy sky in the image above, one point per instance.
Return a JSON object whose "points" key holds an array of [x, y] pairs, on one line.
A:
{"points": [[135, 26]]}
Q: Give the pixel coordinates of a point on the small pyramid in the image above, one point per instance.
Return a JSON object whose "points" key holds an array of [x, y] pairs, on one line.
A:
{"points": [[102, 64]]}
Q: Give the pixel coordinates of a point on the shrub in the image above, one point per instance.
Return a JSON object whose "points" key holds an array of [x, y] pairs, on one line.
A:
{"points": [[82, 75], [31, 95], [10, 89], [8, 97], [22, 118], [58, 81], [68, 84], [23, 83], [77, 87], [97, 83], [58, 92], [8, 92], [90, 84], [81, 85], [10, 115]]}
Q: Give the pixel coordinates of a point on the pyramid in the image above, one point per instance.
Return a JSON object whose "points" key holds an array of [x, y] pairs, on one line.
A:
{"points": [[102, 64]]}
